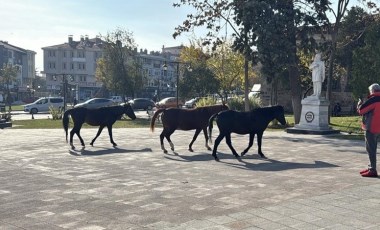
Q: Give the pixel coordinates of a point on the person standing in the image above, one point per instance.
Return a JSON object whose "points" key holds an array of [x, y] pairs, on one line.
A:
{"points": [[370, 110], [318, 74]]}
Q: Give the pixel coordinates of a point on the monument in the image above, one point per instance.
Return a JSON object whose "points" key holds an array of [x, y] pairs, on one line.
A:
{"points": [[315, 108]]}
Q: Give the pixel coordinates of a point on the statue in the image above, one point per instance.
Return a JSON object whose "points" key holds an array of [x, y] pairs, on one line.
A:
{"points": [[318, 74]]}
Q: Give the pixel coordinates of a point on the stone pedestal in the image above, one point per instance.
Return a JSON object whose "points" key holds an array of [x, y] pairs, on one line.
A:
{"points": [[314, 117]]}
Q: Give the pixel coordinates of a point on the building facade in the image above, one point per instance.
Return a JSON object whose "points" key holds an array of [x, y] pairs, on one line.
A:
{"points": [[75, 62], [25, 60]]}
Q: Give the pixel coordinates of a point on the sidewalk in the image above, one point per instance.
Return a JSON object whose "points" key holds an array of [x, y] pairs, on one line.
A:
{"points": [[307, 182]]}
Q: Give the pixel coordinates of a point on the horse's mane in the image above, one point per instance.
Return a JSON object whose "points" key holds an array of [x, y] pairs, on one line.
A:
{"points": [[267, 109], [210, 107]]}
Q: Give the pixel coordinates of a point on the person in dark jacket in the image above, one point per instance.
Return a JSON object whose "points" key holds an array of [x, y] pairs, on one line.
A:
{"points": [[370, 110]]}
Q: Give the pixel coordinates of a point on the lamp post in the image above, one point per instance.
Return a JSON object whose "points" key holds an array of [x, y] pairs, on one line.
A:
{"points": [[165, 67], [64, 83]]}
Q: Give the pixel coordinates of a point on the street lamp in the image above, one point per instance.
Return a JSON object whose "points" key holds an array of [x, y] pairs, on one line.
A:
{"points": [[65, 83], [165, 67]]}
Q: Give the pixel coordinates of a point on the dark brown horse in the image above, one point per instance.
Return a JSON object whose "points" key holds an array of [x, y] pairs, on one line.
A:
{"points": [[252, 122], [185, 119], [102, 117]]}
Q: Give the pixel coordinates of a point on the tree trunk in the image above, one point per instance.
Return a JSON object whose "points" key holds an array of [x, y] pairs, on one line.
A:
{"points": [[295, 89], [246, 86]]}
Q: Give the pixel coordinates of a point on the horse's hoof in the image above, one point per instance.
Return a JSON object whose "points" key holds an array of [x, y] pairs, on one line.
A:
{"points": [[172, 149], [165, 151], [242, 154], [216, 159], [191, 150], [237, 156], [262, 156], [72, 147], [209, 149]]}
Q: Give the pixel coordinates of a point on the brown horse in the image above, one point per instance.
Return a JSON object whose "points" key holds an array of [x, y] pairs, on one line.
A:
{"points": [[185, 119]]}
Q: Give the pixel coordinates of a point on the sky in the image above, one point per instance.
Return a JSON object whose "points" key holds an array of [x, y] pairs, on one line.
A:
{"points": [[33, 24]]}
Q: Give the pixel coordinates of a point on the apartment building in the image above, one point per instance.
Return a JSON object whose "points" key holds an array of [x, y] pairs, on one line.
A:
{"points": [[25, 60], [74, 62]]}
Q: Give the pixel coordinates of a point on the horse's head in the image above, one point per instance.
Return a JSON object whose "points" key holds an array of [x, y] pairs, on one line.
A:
{"points": [[280, 114], [129, 111]]}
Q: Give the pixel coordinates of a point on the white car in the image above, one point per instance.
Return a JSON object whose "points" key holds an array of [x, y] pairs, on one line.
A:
{"points": [[117, 99], [44, 104], [191, 103]]}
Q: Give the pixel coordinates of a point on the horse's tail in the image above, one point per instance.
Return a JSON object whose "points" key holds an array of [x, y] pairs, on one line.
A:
{"points": [[155, 115], [210, 124], [65, 121]]}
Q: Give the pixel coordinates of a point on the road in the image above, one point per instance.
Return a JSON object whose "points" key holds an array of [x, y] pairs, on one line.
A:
{"points": [[20, 115]]}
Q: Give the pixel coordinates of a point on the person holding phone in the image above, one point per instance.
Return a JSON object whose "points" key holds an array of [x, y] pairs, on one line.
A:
{"points": [[370, 110]]}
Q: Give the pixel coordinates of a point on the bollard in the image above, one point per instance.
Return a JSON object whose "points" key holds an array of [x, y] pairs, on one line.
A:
{"points": [[32, 115]]}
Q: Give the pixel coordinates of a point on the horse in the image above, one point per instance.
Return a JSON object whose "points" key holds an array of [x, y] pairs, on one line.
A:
{"points": [[251, 122], [185, 119], [102, 117]]}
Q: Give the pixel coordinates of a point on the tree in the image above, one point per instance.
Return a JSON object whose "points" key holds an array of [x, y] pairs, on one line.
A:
{"points": [[216, 15], [333, 30], [227, 65], [201, 80], [8, 75], [119, 69], [366, 61], [281, 28]]}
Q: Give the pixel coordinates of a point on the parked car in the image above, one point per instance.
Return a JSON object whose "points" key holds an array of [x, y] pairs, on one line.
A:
{"points": [[117, 99], [142, 103], [192, 103], [44, 104], [169, 102], [95, 103]]}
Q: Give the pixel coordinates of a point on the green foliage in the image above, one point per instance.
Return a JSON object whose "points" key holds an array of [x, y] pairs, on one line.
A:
{"points": [[237, 103], [206, 101], [118, 69], [366, 62], [201, 80]]}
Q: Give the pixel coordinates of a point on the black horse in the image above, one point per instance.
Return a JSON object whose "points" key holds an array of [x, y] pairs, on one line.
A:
{"points": [[185, 119], [102, 117], [252, 122]]}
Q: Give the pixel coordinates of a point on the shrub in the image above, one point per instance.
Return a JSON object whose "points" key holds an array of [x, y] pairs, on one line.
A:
{"points": [[56, 114], [206, 101], [237, 103]]}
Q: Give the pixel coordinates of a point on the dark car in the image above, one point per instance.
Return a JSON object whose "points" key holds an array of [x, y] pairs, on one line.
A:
{"points": [[95, 103], [142, 103]]}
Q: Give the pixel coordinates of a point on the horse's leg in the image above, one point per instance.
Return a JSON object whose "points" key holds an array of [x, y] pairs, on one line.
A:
{"points": [[259, 141], [76, 130], [197, 131], [229, 143], [216, 144], [97, 134], [168, 134], [206, 137], [251, 138], [162, 135], [109, 127]]}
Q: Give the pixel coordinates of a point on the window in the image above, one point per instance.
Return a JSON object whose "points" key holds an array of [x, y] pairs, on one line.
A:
{"points": [[82, 78], [51, 53], [64, 65], [64, 53], [72, 65], [51, 65], [72, 54]]}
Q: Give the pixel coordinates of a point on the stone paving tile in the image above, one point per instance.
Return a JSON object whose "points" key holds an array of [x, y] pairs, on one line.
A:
{"points": [[307, 182]]}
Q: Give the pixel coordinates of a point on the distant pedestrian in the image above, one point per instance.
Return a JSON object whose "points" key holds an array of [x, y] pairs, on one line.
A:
{"points": [[370, 110]]}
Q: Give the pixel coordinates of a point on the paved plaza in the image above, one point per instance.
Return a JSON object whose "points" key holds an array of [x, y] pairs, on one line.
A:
{"points": [[307, 182]]}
